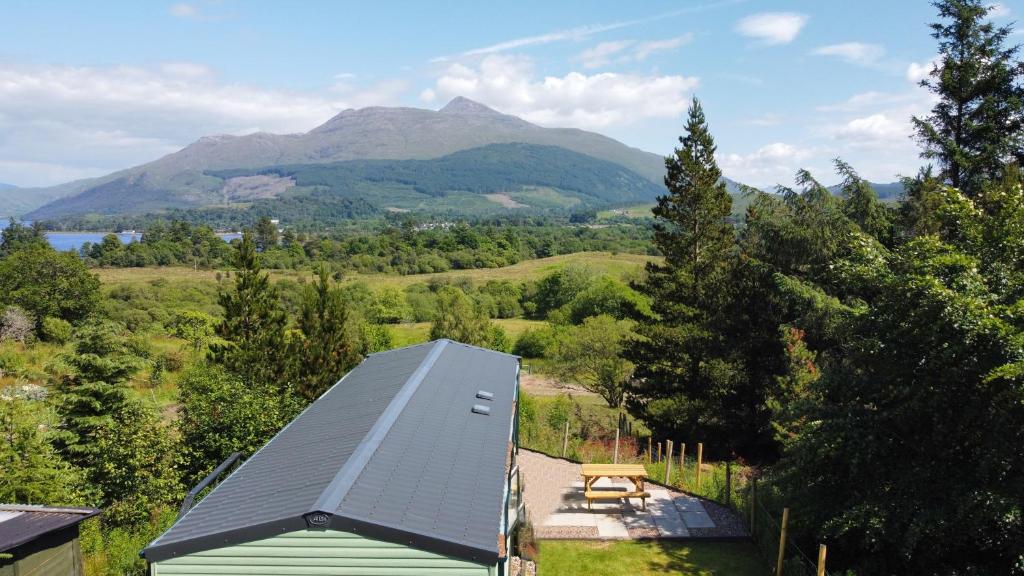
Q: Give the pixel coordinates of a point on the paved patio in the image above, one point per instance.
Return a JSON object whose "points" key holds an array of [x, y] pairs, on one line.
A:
{"points": [[553, 490]]}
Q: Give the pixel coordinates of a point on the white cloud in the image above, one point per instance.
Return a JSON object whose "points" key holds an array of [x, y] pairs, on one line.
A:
{"points": [[645, 49], [917, 72], [183, 10], [770, 164], [853, 52], [601, 54], [875, 129], [67, 121], [772, 27], [623, 51], [509, 84], [583, 32], [999, 11]]}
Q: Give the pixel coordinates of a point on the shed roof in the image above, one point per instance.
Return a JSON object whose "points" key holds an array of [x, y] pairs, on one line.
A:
{"points": [[20, 524], [393, 451]]}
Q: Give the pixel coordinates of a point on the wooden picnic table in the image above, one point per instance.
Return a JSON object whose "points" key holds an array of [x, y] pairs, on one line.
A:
{"points": [[636, 473]]}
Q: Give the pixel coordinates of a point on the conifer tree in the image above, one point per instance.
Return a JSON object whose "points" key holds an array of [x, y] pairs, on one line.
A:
{"points": [[328, 343], [685, 372], [975, 127], [253, 328]]}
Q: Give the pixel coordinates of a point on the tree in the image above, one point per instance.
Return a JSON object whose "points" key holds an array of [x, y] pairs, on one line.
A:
{"points": [[591, 354], [45, 283], [17, 236], [975, 126], [252, 331], [919, 426], [137, 474], [688, 374], [196, 328], [31, 472], [328, 343], [691, 222], [458, 319], [266, 234], [94, 397], [221, 414], [16, 325]]}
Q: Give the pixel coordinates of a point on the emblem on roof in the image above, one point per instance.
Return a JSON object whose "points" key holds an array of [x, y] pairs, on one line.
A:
{"points": [[318, 519]]}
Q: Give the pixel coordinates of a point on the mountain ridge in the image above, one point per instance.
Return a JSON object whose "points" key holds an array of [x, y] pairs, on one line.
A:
{"points": [[181, 178]]}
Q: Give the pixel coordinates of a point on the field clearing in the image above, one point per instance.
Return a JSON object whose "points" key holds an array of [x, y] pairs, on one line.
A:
{"points": [[576, 558], [619, 265], [635, 211], [418, 332]]}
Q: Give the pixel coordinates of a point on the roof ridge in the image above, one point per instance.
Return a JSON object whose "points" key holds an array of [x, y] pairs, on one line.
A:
{"points": [[349, 472]]}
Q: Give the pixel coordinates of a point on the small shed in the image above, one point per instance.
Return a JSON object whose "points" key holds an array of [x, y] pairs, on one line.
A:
{"points": [[405, 467], [41, 540]]}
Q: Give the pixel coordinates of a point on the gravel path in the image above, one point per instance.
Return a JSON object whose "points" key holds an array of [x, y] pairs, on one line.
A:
{"points": [[548, 488]]}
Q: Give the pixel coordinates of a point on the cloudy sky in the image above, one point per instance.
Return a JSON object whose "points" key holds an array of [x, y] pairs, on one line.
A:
{"points": [[87, 88]]}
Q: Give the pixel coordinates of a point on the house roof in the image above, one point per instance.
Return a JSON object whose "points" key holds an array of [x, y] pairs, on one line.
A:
{"points": [[21, 524], [393, 451]]}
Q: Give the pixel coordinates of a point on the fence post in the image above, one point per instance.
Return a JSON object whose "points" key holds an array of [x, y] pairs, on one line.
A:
{"points": [[565, 439], [615, 459], [649, 450], [700, 460], [682, 464], [668, 462], [782, 541], [659, 452], [821, 560]]}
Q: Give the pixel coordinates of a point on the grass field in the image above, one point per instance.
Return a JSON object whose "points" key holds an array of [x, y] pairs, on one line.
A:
{"points": [[417, 332], [637, 211], [619, 265], [568, 558]]}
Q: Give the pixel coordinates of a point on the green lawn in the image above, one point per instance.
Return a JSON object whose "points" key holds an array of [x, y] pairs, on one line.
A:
{"points": [[568, 558], [409, 333]]}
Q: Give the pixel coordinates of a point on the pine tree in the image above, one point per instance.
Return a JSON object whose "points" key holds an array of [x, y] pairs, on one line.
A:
{"points": [[328, 344], [975, 127], [686, 376], [253, 328], [95, 396], [692, 228]]}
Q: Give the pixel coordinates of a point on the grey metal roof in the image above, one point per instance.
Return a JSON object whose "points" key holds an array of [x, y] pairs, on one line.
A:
{"points": [[392, 451], [20, 524]]}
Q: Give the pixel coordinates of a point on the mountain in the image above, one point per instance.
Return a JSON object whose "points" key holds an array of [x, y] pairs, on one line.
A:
{"points": [[184, 179], [6, 186]]}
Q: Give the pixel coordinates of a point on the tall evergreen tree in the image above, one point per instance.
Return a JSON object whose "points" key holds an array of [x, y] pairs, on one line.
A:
{"points": [[253, 328], [975, 127], [328, 343], [95, 396], [686, 374]]}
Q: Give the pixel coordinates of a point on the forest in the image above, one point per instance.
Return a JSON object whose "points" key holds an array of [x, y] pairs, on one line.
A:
{"points": [[863, 360]]}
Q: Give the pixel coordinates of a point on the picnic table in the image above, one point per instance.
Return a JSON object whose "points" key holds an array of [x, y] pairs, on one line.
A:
{"points": [[636, 473]]}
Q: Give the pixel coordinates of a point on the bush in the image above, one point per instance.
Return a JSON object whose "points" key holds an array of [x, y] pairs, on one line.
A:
{"points": [[55, 330], [171, 361], [16, 325], [532, 343], [559, 411], [11, 363]]}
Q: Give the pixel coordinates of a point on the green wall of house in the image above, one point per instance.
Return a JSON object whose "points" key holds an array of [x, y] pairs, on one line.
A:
{"points": [[319, 553]]}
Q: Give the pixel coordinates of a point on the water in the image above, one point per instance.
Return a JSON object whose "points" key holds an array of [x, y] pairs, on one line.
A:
{"points": [[74, 240]]}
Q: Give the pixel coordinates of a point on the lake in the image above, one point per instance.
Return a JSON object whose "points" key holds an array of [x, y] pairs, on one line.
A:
{"points": [[74, 240]]}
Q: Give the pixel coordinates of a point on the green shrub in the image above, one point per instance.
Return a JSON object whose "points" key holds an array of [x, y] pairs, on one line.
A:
{"points": [[559, 411], [532, 343], [11, 362], [55, 330]]}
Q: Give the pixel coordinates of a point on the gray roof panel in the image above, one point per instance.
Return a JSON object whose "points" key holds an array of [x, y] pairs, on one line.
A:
{"points": [[392, 451]]}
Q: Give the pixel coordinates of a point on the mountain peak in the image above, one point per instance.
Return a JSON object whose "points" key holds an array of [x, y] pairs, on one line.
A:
{"points": [[463, 105]]}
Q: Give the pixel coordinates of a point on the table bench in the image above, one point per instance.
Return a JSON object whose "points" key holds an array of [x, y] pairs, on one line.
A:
{"points": [[636, 473]]}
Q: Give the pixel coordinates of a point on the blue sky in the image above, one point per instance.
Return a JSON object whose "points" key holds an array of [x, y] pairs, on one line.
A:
{"points": [[88, 88]]}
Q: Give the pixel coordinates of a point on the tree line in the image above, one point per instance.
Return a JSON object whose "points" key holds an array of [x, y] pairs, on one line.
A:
{"points": [[870, 356]]}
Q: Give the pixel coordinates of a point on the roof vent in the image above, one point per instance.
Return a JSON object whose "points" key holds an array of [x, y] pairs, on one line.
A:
{"points": [[481, 409], [485, 395]]}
